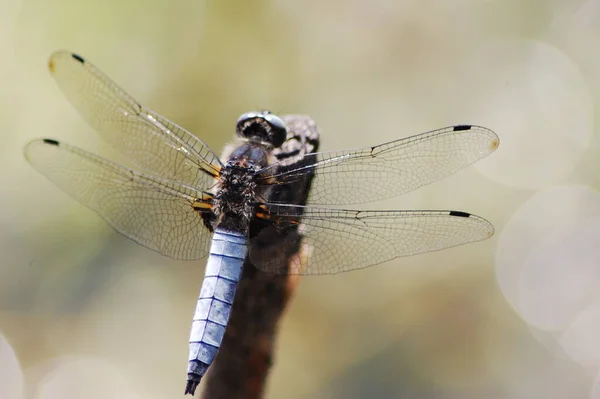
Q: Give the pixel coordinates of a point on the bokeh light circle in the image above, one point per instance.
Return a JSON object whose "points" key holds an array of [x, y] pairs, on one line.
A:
{"points": [[546, 260], [538, 101]]}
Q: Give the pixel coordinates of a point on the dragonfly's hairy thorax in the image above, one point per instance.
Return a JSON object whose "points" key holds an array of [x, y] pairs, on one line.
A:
{"points": [[237, 190]]}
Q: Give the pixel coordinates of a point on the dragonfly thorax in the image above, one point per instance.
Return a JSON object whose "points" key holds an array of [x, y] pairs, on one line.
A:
{"points": [[237, 190]]}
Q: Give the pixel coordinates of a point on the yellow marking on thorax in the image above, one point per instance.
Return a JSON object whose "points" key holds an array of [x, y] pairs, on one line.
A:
{"points": [[199, 205]]}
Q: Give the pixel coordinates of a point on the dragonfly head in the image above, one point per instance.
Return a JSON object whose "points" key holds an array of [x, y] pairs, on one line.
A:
{"points": [[262, 126]]}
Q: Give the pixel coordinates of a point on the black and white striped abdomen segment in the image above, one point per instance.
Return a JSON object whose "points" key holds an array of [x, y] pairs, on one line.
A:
{"points": [[223, 271]]}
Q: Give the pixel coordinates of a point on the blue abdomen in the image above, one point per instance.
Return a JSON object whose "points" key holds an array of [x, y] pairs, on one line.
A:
{"points": [[223, 271]]}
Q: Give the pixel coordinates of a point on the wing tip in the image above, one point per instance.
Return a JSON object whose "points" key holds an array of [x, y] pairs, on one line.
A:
{"points": [[495, 143], [60, 54], [494, 139], [488, 226], [33, 144]]}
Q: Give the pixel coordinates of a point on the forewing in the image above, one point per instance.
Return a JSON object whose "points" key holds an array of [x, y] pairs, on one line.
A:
{"points": [[342, 240], [387, 170], [150, 141], [155, 213]]}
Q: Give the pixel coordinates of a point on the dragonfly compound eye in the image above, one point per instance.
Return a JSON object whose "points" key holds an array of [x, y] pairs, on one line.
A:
{"points": [[262, 126]]}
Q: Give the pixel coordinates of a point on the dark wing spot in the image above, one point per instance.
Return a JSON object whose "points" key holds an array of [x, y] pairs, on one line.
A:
{"points": [[77, 57], [460, 214], [460, 128], [51, 142]]}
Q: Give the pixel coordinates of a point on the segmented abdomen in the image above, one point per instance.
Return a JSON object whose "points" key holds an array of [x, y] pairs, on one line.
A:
{"points": [[223, 271]]}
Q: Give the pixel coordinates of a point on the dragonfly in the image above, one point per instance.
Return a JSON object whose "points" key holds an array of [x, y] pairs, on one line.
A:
{"points": [[271, 195]]}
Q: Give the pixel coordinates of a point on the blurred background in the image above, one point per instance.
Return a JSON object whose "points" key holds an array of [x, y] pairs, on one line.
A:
{"points": [[87, 313]]}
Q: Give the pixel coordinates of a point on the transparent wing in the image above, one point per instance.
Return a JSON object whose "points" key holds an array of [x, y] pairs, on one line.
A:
{"points": [[342, 240], [150, 141], [387, 170], [158, 214]]}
